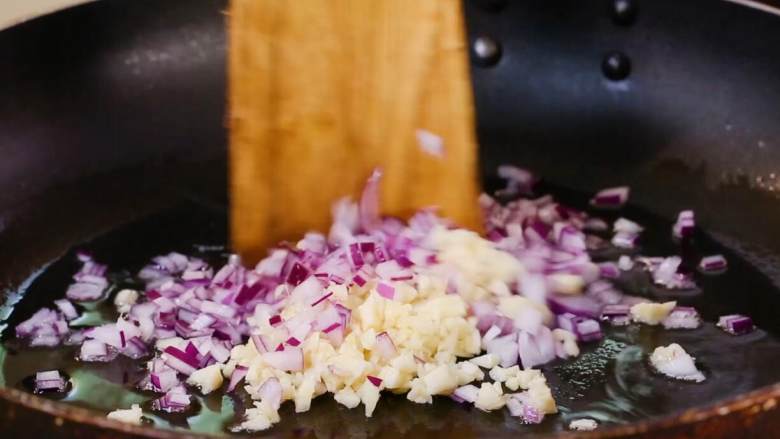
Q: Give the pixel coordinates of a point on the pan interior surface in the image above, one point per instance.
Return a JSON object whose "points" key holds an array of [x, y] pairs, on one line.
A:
{"points": [[611, 381]]}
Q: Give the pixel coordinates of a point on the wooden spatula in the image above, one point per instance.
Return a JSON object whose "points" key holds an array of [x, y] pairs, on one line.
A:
{"points": [[323, 91]]}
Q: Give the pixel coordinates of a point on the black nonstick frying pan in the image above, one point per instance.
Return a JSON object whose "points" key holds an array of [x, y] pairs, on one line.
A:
{"points": [[112, 117]]}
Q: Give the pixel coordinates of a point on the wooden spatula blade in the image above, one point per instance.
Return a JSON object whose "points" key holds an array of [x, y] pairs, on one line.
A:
{"points": [[323, 91]]}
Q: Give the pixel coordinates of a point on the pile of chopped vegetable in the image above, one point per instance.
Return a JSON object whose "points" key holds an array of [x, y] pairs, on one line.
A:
{"points": [[422, 308]]}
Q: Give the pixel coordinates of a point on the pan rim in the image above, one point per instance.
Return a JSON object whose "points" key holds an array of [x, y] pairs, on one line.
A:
{"points": [[761, 399]]}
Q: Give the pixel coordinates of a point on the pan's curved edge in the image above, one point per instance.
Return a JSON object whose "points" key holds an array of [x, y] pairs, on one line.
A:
{"points": [[771, 7], [26, 11]]}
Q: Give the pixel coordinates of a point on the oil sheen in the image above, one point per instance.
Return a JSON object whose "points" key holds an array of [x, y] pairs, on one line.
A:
{"points": [[611, 381]]}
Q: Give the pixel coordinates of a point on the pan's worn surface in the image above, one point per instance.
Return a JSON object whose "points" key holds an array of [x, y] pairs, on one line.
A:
{"points": [[113, 110]]}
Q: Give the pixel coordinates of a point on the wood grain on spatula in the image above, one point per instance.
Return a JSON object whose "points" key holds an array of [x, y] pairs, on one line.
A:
{"points": [[323, 91]]}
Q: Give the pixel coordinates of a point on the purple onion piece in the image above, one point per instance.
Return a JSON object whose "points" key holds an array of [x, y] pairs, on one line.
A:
{"points": [[49, 381], [534, 349], [616, 315], [685, 224], [520, 181], [238, 374], [625, 240], [736, 324], [609, 270], [578, 305], [174, 401], [611, 198], [586, 329], [67, 309], [713, 264]]}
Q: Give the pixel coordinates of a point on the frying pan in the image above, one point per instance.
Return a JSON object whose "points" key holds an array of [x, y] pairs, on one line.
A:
{"points": [[113, 111]]}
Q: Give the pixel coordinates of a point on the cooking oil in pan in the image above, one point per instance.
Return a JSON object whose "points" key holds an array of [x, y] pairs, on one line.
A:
{"points": [[611, 381]]}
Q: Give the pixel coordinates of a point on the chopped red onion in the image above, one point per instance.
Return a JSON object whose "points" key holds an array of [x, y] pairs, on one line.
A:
{"points": [[536, 230], [197, 277], [332, 327], [519, 406], [75, 338], [578, 305], [345, 314], [67, 309], [505, 348], [358, 280], [87, 288], [596, 225], [385, 290], [535, 349], [736, 324], [48, 375], [163, 380], [248, 293], [625, 263], [135, 348], [503, 324], [292, 341], [666, 270], [90, 281], [609, 270], [616, 315], [519, 181], [625, 226], [49, 381], [356, 255], [186, 362], [217, 309], [260, 343], [374, 380], [385, 346], [203, 321], [466, 393], [95, 350], [625, 240], [604, 293], [44, 328], [684, 225], [569, 238], [108, 334], [271, 392], [220, 351], [492, 332], [321, 299], [238, 374], [713, 264], [668, 274], [327, 318], [41, 317], [175, 400], [584, 328], [297, 275], [611, 198]]}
